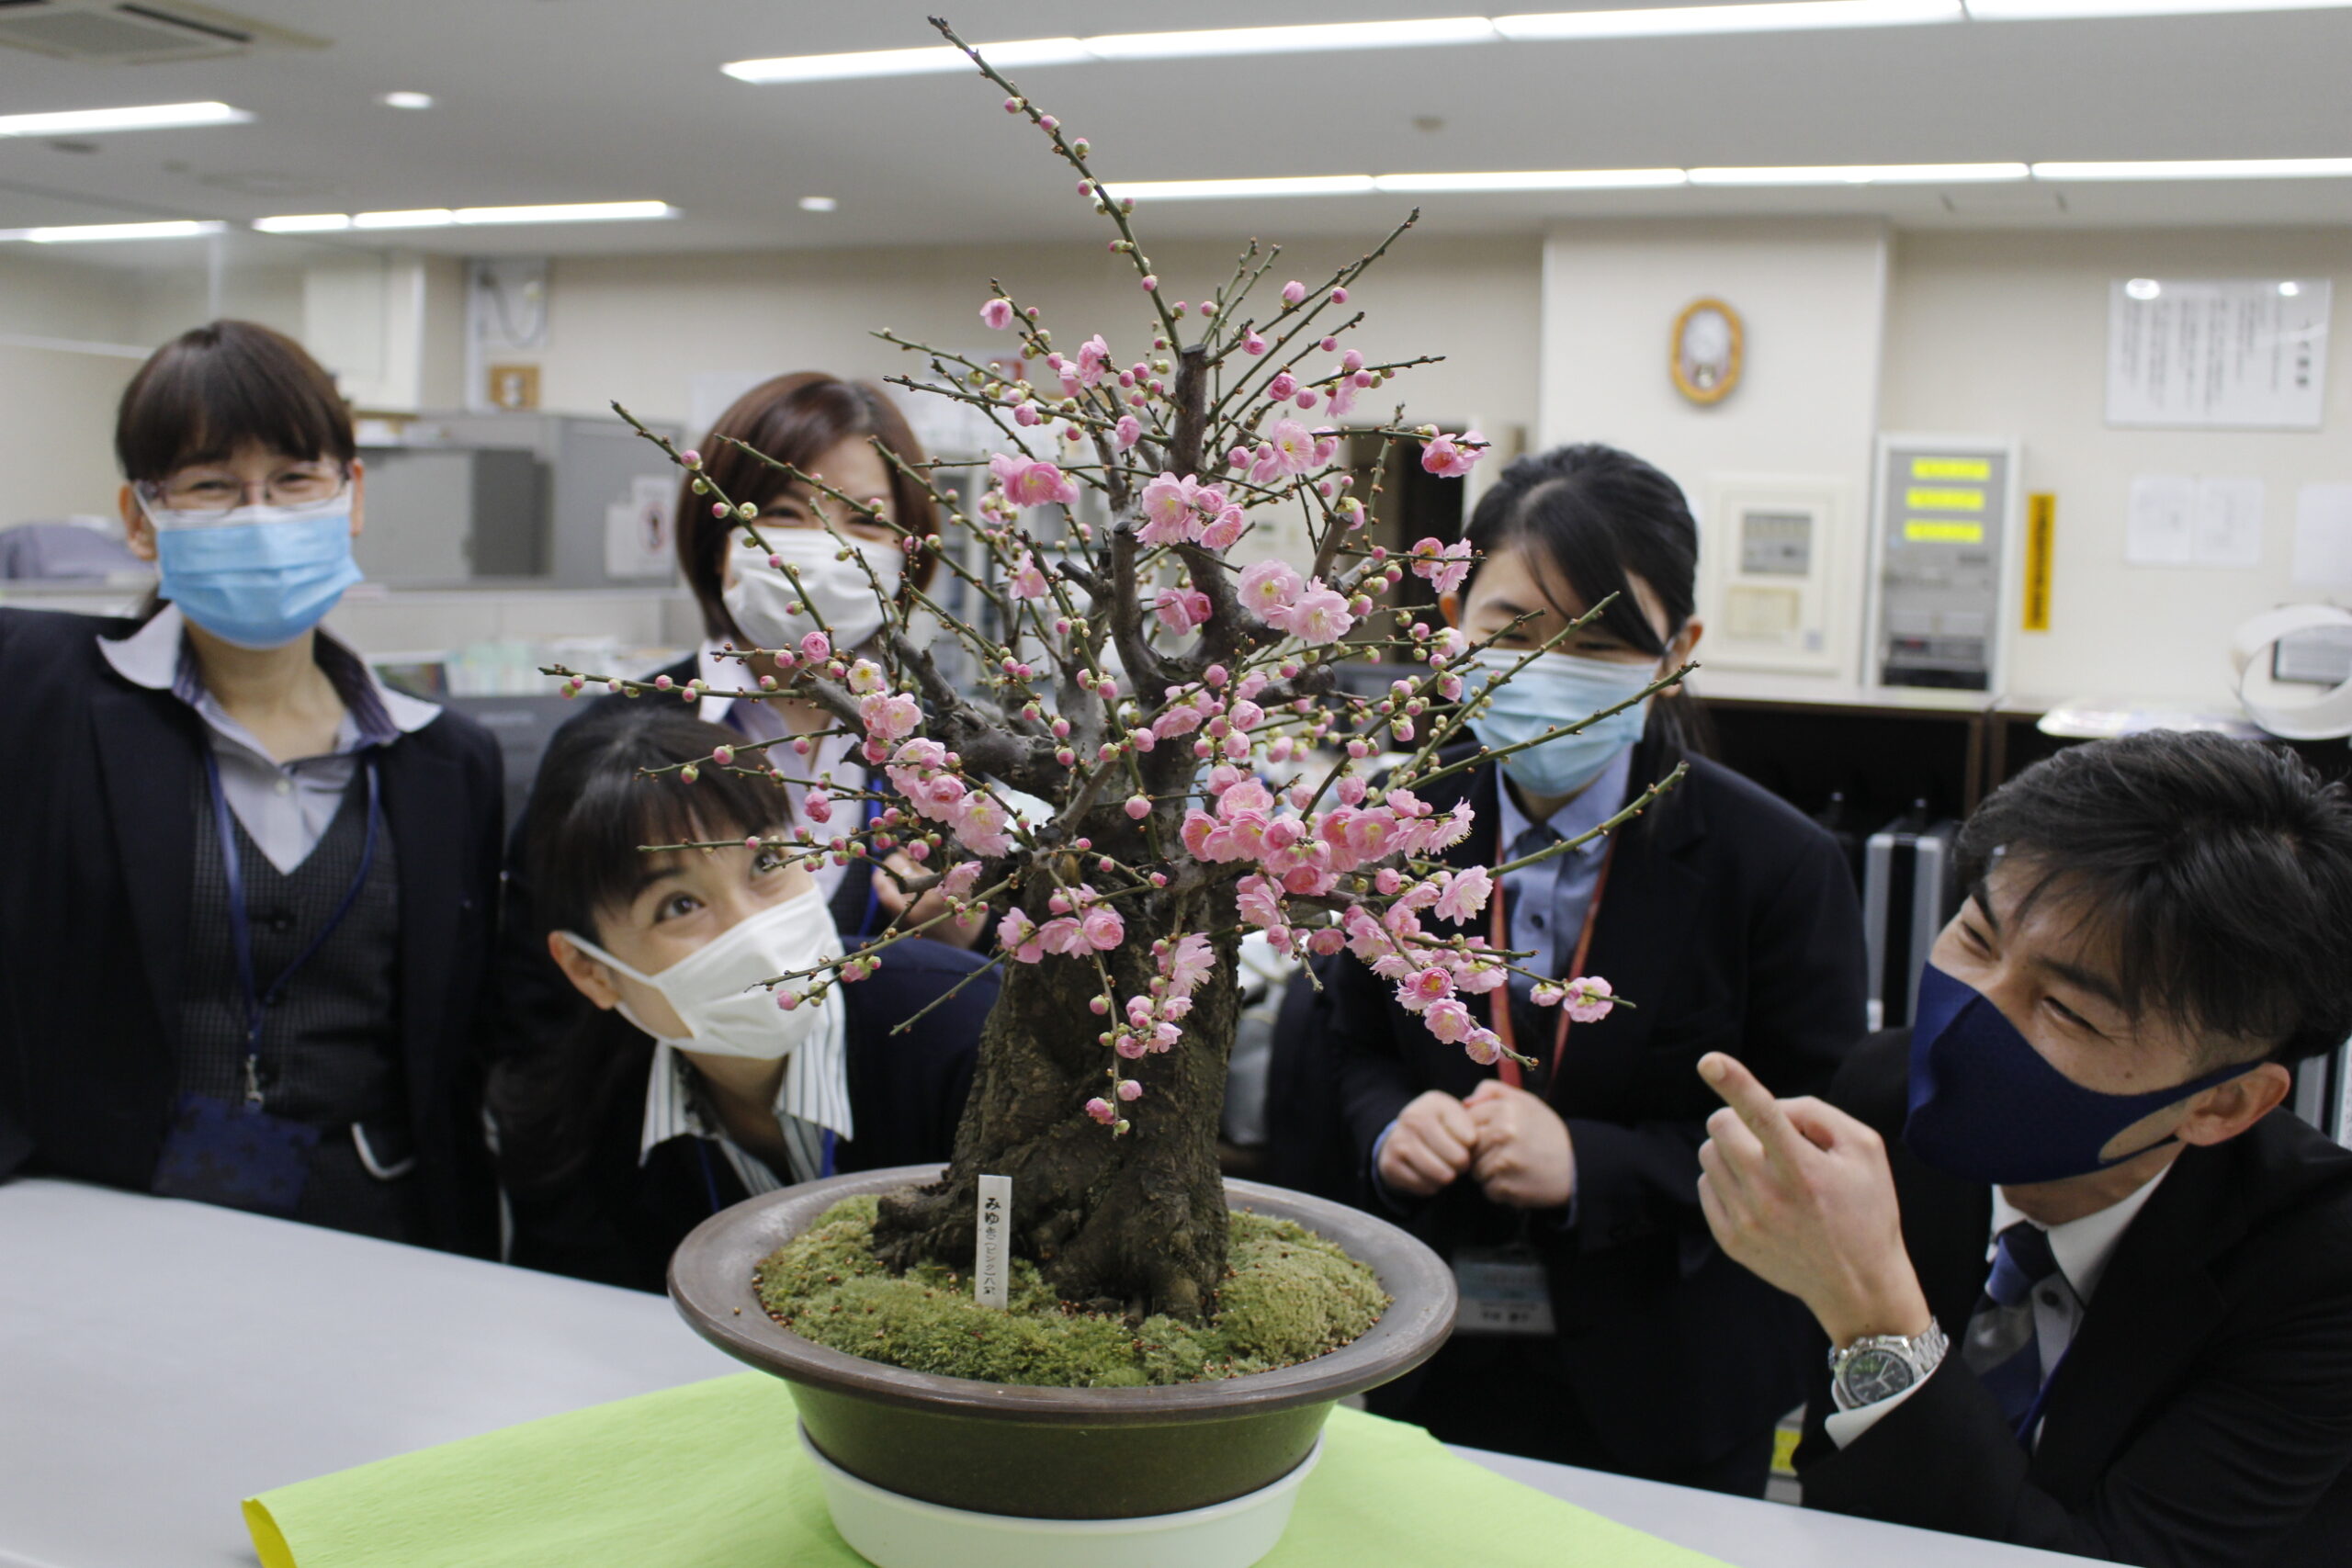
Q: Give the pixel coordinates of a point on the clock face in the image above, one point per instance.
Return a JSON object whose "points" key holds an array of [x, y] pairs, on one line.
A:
{"points": [[1872, 1375], [1707, 351]]}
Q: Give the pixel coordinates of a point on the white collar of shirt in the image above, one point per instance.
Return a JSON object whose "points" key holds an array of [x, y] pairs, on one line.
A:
{"points": [[1596, 803], [158, 656], [2082, 1247]]}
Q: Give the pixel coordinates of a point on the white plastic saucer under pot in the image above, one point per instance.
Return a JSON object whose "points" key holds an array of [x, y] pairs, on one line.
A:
{"points": [[892, 1531]]}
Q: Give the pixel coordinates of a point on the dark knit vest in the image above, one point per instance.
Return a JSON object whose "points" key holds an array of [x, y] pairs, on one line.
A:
{"points": [[330, 1042]]}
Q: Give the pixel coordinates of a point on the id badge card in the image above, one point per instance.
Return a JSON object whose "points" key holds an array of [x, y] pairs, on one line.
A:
{"points": [[235, 1156], [1504, 1290]]}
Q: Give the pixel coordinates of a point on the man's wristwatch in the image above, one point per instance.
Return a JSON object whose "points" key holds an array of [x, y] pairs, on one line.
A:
{"points": [[1880, 1366]]}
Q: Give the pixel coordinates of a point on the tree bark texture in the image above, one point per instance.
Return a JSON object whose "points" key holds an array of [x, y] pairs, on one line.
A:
{"points": [[1133, 1222]]}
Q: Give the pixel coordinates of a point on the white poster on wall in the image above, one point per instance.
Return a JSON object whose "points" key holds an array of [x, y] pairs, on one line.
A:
{"points": [[2230, 354], [639, 528]]}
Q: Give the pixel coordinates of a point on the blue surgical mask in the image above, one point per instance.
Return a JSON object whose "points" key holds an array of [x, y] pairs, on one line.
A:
{"points": [[1556, 689], [258, 575], [1986, 1107]]}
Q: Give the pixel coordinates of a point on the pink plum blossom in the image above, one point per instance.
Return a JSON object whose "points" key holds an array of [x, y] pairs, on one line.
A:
{"points": [[1093, 358], [1030, 483], [1182, 609], [1103, 928], [996, 314], [889, 715], [1017, 933], [981, 825], [1448, 457], [1444, 566], [1464, 895], [1293, 291], [1225, 531], [1126, 433], [1448, 1021], [1320, 615], [1588, 1000], [1028, 578], [1101, 1109], [1293, 447], [1268, 589]]}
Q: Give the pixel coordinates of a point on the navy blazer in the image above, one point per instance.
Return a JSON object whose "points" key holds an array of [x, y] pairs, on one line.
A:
{"points": [[618, 1218], [1731, 922], [2203, 1414], [93, 920]]}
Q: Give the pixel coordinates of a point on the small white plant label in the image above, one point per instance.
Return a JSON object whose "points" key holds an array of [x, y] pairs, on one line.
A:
{"points": [[995, 1233]]}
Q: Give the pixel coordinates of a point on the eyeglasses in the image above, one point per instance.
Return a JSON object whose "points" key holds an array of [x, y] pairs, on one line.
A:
{"points": [[214, 489]]}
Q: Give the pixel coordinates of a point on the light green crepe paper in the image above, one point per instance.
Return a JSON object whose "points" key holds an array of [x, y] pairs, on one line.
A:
{"points": [[712, 1474]]}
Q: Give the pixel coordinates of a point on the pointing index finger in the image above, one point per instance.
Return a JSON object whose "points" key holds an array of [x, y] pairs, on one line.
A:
{"points": [[1752, 1102]]}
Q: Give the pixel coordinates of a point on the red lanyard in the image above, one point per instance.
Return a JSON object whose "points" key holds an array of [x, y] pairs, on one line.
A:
{"points": [[1498, 1006]]}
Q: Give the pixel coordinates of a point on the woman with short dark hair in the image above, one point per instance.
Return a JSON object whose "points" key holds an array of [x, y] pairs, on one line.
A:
{"points": [[1601, 1324], [244, 929]]}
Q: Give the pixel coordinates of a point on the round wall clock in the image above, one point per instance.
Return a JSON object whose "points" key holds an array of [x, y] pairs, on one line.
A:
{"points": [[1708, 346]]}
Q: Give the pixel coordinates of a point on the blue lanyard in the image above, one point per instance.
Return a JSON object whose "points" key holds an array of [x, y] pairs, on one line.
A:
{"points": [[257, 1002]]}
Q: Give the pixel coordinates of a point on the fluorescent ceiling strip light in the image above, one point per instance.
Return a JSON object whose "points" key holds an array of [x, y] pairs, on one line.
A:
{"points": [[1286, 40], [1790, 16], [1209, 190], [567, 212], [303, 224], [1533, 179], [1864, 175], [2202, 169], [175, 229], [2057, 10], [442, 217], [411, 218], [148, 117], [906, 61]]}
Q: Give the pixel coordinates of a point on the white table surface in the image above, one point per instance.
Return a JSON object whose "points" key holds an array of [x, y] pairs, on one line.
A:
{"points": [[161, 1361]]}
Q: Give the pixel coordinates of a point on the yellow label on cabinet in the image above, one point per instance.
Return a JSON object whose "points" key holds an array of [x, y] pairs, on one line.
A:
{"points": [[1933, 531], [1952, 467], [2041, 525], [1944, 499]]}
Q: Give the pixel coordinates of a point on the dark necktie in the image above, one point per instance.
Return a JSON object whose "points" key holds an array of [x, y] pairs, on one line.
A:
{"points": [[2002, 1348]]}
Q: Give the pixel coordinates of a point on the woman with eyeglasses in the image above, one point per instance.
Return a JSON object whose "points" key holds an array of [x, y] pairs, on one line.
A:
{"points": [[250, 889]]}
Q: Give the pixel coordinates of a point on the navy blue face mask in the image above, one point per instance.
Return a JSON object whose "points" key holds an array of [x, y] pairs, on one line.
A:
{"points": [[1986, 1107]]}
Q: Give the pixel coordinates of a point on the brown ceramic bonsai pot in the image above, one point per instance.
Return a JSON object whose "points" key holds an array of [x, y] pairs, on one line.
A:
{"points": [[1064, 1453]]}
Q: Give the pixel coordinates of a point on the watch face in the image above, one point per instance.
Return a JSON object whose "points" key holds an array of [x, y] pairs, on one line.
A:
{"points": [[1871, 1375]]}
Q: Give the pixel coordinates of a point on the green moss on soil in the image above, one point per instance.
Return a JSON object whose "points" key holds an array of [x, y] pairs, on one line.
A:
{"points": [[1289, 1296]]}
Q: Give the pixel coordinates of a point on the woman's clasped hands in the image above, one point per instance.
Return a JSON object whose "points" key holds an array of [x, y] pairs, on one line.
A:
{"points": [[1508, 1141]]}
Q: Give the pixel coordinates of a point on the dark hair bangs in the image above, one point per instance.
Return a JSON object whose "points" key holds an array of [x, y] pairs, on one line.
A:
{"points": [[592, 810], [1601, 517], [218, 388]]}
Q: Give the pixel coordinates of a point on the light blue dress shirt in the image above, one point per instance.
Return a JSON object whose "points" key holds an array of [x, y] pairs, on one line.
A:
{"points": [[1547, 900]]}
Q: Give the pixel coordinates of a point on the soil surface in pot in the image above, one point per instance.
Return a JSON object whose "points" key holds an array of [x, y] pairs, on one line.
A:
{"points": [[1289, 1296]]}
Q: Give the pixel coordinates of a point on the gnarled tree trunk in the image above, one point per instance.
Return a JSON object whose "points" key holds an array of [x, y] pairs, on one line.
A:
{"points": [[1132, 1223]]}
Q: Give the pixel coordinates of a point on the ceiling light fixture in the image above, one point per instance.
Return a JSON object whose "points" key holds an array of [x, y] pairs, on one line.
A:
{"points": [[174, 229], [145, 117], [442, 217], [406, 100], [567, 212], [905, 62], [304, 223], [1211, 190], [818, 204], [1286, 40], [1531, 179], [1664, 22], [1788, 15], [2202, 169], [2065, 10], [1863, 174]]}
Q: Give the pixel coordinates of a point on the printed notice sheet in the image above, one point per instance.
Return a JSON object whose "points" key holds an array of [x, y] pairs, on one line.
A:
{"points": [[2248, 354]]}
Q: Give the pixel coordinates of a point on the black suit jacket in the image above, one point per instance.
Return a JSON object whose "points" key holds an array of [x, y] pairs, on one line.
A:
{"points": [[2203, 1416], [618, 1219], [96, 779], [1730, 921]]}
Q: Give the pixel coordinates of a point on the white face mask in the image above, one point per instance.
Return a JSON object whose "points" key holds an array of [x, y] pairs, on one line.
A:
{"points": [[838, 591], [716, 993]]}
